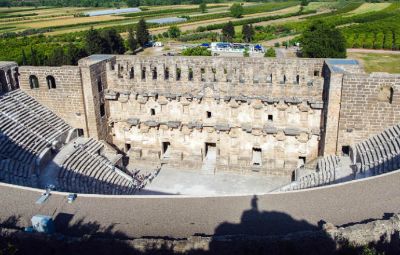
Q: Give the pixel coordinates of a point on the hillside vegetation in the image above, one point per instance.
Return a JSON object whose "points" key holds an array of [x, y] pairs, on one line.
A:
{"points": [[41, 30]]}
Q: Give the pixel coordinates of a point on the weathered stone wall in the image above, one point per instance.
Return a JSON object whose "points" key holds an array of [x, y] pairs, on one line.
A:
{"points": [[235, 126], [331, 97], [233, 103], [283, 110], [370, 103], [66, 99], [225, 76], [94, 82], [8, 76]]}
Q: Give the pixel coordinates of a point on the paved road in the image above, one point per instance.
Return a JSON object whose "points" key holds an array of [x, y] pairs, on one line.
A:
{"points": [[183, 216]]}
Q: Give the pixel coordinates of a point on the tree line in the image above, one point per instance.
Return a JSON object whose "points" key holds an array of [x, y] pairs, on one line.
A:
{"points": [[95, 41]]}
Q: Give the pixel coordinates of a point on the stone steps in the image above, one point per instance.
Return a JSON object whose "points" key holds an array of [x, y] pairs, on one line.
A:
{"points": [[86, 171], [27, 129], [380, 153], [325, 174]]}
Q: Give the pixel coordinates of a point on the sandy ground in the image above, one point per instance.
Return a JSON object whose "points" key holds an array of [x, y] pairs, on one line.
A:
{"points": [[172, 181]]}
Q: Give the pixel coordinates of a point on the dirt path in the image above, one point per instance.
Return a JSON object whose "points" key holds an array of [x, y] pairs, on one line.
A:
{"points": [[279, 40]]}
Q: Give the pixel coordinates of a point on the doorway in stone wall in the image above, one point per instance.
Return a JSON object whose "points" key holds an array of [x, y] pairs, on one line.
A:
{"points": [[166, 149], [210, 158], [256, 157], [210, 150], [345, 150], [301, 161]]}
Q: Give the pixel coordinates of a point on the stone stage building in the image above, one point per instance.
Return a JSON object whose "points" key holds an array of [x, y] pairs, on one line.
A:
{"points": [[245, 115]]}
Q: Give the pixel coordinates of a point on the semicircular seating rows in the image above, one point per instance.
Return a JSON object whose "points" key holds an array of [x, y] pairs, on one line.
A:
{"points": [[86, 171], [28, 130], [376, 155], [380, 153], [325, 174]]}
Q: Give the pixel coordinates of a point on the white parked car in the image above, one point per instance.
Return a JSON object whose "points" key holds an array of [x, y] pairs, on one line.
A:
{"points": [[158, 44], [71, 197]]}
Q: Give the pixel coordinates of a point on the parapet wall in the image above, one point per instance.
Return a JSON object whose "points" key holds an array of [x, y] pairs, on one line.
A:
{"points": [[225, 76]]}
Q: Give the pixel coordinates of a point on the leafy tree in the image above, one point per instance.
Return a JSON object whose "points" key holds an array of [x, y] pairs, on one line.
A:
{"points": [[133, 3], [108, 41], [322, 40], [270, 53], [132, 42], [304, 3], [57, 57], [142, 33], [94, 42], [196, 51], [115, 43], [236, 10], [228, 31], [203, 7], [34, 57], [24, 59], [74, 54], [247, 32], [5, 3], [174, 31]]}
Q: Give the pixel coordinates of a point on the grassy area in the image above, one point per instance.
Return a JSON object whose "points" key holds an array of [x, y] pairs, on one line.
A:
{"points": [[62, 20], [378, 62], [369, 7], [320, 6], [273, 20]]}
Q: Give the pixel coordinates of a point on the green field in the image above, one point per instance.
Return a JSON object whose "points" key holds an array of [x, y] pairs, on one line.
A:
{"points": [[364, 25], [380, 62]]}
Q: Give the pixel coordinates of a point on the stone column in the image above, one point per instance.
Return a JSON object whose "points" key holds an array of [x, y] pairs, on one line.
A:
{"points": [[333, 85], [149, 74], [172, 72], [160, 72], [138, 72], [220, 75], [185, 73]]}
